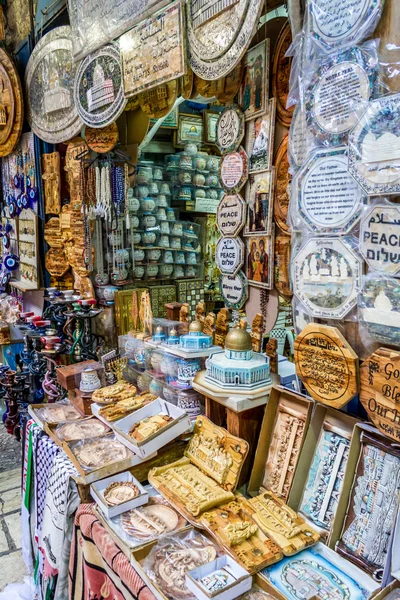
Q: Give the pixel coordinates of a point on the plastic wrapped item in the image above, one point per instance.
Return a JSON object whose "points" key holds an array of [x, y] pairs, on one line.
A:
{"points": [[301, 141], [374, 147], [380, 237], [325, 198], [340, 23], [379, 309], [58, 413], [20, 591], [168, 562], [81, 430], [256, 594], [96, 453], [340, 89]]}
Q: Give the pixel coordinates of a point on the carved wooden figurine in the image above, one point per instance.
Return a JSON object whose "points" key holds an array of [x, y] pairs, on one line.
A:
{"points": [[222, 326], [271, 352], [201, 312], [52, 183], [257, 329], [209, 325]]}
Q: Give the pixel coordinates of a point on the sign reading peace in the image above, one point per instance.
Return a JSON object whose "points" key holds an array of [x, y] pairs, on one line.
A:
{"points": [[229, 255], [231, 214]]}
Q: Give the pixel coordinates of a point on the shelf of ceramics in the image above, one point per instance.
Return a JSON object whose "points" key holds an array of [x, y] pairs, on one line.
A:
{"points": [[153, 52], [229, 255], [98, 88], [339, 94], [281, 76], [231, 397], [374, 147], [180, 352], [344, 23], [380, 238], [219, 34], [327, 277], [240, 536], [231, 214], [328, 199], [279, 522], [234, 290], [49, 78], [11, 105], [230, 129], [379, 393], [327, 365], [208, 474]]}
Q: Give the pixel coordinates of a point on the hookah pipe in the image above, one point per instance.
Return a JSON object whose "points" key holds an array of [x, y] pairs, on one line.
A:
{"points": [[52, 350]]}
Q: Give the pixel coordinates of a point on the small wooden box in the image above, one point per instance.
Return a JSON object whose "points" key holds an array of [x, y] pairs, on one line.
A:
{"points": [[82, 402], [69, 377]]}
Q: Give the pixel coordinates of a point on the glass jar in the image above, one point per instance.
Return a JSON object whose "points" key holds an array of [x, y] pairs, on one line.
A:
{"points": [[144, 174]]}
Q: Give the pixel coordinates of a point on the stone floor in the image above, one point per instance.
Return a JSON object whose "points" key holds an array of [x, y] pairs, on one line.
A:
{"points": [[12, 567]]}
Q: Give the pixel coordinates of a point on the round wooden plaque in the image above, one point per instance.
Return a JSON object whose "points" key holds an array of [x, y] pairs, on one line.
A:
{"points": [[281, 75], [327, 365], [282, 180], [102, 140], [158, 101], [49, 81], [11, 105], [231, 85]]}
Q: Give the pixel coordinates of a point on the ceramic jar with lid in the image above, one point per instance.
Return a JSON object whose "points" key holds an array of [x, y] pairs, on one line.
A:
{"points": [[133, 204], [90, 380], [153, 187], [158, 173], [201, 163], [185, 192], [213, 194], [142, 191], [153, 255], [200, 193], [147, 205], [148, 238], [212, 180], [136, 238], [162, 201], [190, 271], [138, 271], [151, 271], [161, 214], [179, 258], [164, 188], [185, 161], [191, 258], [213, 163], [178, 272], [190, 402], [144, 174], [168, 257], [166, 270], [108, 293], [149, 221], [176, 243], [164, 241], [138, 256], [199, 179], [190, 148], [177, 228], [164, 227], [185, 177], [171, 214], [134, 222]]}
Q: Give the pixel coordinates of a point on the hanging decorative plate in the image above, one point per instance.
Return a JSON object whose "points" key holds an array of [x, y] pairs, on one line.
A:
{"points": [[102, 140], [49, 81], [260, 139], [133, 103], [378, 309], [328, 199], [229, 255], [234, 290], [339, 93], [282, 186], [231, 85], [300, 139], [219, 34], [208, 89], [374, 147], [327, 277], [230, 129], [234, 171], [380, 238], [186, 84], [231, 214], [158, 102], [98, 90], [11, 105], [281, 75], [337, 23]]}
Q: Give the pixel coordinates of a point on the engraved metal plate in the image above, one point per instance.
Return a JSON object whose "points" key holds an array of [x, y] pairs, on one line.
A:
{"points": [[219, 33], [98, 90], [11, 105], [49, 80]]}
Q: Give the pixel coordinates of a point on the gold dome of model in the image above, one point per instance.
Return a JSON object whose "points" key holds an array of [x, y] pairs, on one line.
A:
{"points": [[238, 340], [196, 326]]}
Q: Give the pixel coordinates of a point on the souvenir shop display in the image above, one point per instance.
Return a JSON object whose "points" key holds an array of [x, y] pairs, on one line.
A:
{"points": [[229, 255], [231, 214], [282, 186], [259, 198], [70, 432], [11, 105], [118, 494], [52, 183], [19, 176], [234, 171], [222, 577], [49, 79], [99, 452], [300, 139], [282, 257], [260, 258]]}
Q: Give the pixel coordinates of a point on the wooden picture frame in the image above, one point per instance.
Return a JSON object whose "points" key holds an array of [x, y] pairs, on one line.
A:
{"points": [[253, 92], [260, 261], [170, 121], [259, 144], [187, 122], [259, 199], [210, 119]]}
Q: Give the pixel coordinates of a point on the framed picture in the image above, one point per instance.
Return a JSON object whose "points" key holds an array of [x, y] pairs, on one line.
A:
{"points": [[210, 118], [253, 92], [170, 121], [260, 139], [190, 129], [260, 261], [259, 198]]}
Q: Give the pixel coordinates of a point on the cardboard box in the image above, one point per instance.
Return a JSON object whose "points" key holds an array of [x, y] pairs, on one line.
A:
{"points": [[241, 580], [69, 377], [179, 424], [335, 418], [98, 488], [278, 395]]}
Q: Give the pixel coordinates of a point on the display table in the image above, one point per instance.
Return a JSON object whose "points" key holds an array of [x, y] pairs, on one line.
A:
{"points": [[241, 414]]}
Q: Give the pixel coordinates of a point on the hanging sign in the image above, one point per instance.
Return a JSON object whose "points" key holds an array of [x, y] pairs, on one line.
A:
{"points": [[102, 140], [231, 214], [153, 52], [327, 365], [327, 277], [229, 255], [234, 171], [98, 90], [233, 290], [380, 390], [328, 198], [380, 238], [12, 106], [230, 129]]}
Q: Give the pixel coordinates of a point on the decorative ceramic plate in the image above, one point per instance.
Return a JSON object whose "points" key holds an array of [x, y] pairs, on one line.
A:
{"points": [[327, 277], [11, 102], [82, 430], [281, 75], [98, 90], [230, 129], [231, 214], [234, 171], [49, 81], [229, 255], [120, 491], [339, 93], [374, 147], [219, 34], [338, 23], [233, 290], [328, 199]]}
